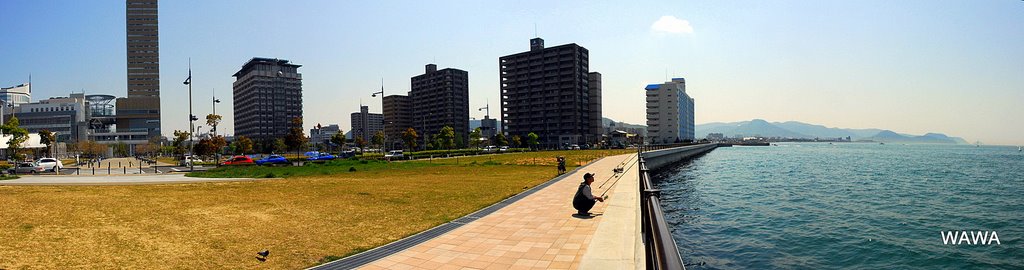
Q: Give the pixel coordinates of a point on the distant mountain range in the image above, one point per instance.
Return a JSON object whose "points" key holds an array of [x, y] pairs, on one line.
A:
{"points": [[793, 129]]}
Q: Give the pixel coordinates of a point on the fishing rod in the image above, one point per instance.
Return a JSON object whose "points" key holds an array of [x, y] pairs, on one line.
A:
{"points": [[618, 170], [617, 180]]}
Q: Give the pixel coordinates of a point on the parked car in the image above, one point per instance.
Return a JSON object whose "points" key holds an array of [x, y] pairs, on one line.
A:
{"points": [[346, 154], [574, 147], [394, 154], [490, 149], [50, 164], [238, 160], [272, 159], [503, 149], [322, 157], [189, 160], [26, 167]]}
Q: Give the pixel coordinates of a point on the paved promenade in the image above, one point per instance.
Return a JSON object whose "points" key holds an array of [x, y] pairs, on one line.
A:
{"points": [[538, 231]]}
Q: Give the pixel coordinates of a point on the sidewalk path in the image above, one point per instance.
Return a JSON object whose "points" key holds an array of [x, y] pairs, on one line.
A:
{"points": [[536, 232]]}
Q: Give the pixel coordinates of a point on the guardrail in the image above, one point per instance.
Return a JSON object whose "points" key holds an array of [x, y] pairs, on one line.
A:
{"points": [[659, 246]]}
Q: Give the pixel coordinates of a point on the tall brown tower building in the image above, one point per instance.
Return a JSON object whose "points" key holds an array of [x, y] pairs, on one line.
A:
{"points": [[140, 111]]}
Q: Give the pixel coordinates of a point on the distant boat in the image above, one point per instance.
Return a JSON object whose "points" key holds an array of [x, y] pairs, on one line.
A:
{"points": [[1019, 148], [882, 143]]}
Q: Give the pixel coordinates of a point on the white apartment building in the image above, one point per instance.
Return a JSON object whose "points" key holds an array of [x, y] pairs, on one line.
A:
{"points": [[669, 112]]}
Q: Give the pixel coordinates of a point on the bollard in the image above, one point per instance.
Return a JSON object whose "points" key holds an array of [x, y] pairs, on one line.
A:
{"points": [[78, 171], [125, 170], [108, 168], [119, 164], [93, 170]]}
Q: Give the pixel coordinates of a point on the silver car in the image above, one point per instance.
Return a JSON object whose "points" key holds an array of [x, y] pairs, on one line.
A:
{"points": [[26, 167]]}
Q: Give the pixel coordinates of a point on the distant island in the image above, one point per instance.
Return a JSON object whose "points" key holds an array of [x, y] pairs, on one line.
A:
{"points": [[799, 130]]}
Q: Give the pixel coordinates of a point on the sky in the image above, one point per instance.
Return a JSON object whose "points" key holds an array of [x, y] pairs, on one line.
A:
{"points": [[953, 67]]}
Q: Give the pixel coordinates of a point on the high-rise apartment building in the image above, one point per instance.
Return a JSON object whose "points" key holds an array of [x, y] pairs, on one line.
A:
{"points": [[139, 113], [669, 112], [397, 118], [267, 96], [440, 98], [547, 91], [366, 124]]}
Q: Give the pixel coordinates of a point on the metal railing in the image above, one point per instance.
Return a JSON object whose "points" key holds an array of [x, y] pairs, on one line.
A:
{"points": [[659, 246]]}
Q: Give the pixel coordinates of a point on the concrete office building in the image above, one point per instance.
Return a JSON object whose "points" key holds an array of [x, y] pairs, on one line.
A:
{"points": [[397, 118], [366, 124], [547, 91], [440, 98], [594, 100], [139, 113], [16, 95], [322, 135], [267, 96], [669, 112], [488, 127], [65, 116]]}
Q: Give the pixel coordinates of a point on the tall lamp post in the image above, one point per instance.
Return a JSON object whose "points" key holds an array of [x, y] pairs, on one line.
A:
{"points": [[191, 118], [381, 113], [215, 101]]}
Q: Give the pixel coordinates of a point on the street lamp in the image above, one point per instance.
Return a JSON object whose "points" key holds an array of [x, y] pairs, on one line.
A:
{"points": [[215, 101], [191, 118], [381, 114]]}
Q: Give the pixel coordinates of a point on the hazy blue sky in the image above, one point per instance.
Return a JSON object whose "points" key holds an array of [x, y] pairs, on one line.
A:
{"points": [[955, 67]]}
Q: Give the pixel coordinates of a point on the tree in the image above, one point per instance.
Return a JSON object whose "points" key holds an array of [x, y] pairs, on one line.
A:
{"points": [[531, 140], [18, 136], [338, 138], [517, 141], [91, 148], [378, 139], [205, 147], [47, 138], [474, 138], [361, 143], [120, 149], [180, 136], [296, 138], [212, 120], [500, 139], [243, 145], [446, 137], [460, 141], [280, 146], [410, 137], [218, 142]]}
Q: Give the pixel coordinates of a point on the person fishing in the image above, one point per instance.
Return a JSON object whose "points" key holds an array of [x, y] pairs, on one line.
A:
{"points": [[584, 199]]}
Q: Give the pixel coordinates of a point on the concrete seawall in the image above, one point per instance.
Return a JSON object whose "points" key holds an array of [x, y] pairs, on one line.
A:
{"points": [[658, 159]]}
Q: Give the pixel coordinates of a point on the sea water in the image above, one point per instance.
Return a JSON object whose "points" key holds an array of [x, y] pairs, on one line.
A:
{"points": [[847, 205]]}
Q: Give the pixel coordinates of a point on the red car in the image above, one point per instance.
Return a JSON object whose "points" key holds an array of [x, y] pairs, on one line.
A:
{"points": [[238, 160]]}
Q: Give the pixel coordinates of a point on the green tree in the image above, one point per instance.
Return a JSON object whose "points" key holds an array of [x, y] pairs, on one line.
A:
{"points": [[446, 137], [500, 140], [361, 143], [18, 136], [280, 146], [120, 149], [474, 138], [243, 145], [517, 141], [212, 120], [339, 138], [47, 138], [378, 139], [218, 143], [460, 141], [531, 140], [296, 138], [180, 136], [410, 137]]}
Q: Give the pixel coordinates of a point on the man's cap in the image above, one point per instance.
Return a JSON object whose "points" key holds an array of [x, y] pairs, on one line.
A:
{"points": [[587, 175]]}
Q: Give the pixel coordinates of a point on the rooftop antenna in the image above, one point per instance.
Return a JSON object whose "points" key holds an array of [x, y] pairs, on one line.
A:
{"points": [[666, 74], [30, 82], [535, 30]]}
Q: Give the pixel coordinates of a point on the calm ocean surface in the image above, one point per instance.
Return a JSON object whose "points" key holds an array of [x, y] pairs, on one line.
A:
{"points": [[848, 205]]}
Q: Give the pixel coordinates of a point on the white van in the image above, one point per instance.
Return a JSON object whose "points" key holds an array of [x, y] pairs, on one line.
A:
{"points": [[394, 154]]}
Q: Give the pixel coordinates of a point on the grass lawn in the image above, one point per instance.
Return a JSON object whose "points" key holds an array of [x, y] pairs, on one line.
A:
{"points": [[314, 213]]}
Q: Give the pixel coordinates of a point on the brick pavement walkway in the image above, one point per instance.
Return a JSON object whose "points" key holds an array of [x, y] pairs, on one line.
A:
{"points": [[536, 232]]}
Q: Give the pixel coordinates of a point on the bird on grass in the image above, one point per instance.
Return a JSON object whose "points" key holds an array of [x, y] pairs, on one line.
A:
{"points": [[263, 255]]}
